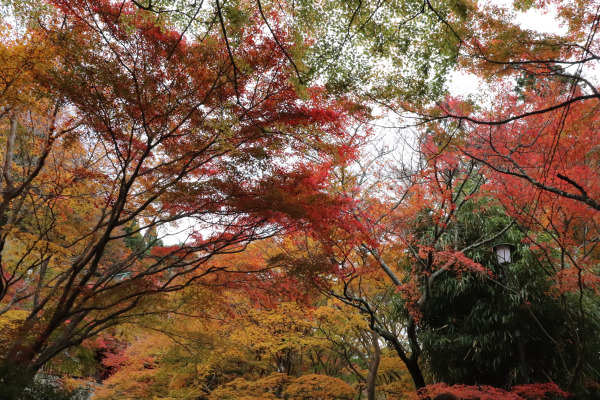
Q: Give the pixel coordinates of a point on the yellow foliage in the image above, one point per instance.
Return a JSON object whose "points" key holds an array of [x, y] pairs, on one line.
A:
{"points": [[319, 387], [286, 327], [12, 318], [250, 390]]}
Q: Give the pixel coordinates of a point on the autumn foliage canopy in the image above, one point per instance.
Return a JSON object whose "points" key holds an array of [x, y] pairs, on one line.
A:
{"points": [[260, 199]]}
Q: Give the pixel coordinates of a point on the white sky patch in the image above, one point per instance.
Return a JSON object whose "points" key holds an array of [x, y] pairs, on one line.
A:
{"points": [[535, 20], [464, 84], [544, 22]]}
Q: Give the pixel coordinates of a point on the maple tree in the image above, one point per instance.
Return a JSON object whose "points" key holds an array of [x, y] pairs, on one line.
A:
{"points": [[406, 34], [543, 90], [363, 352], [137, 139], [442, 192]]}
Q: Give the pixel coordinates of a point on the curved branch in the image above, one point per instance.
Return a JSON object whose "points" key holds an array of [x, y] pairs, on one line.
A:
{"points": [[262, 14]]}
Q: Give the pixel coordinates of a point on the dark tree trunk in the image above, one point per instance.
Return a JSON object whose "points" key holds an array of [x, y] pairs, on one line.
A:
{"points": [[373, 367]]}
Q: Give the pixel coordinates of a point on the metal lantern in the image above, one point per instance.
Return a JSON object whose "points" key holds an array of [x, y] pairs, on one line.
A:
{"points": [[504, 252]]}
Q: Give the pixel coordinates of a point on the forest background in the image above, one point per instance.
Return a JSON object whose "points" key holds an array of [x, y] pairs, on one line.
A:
{"points": [[268, 199]]}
